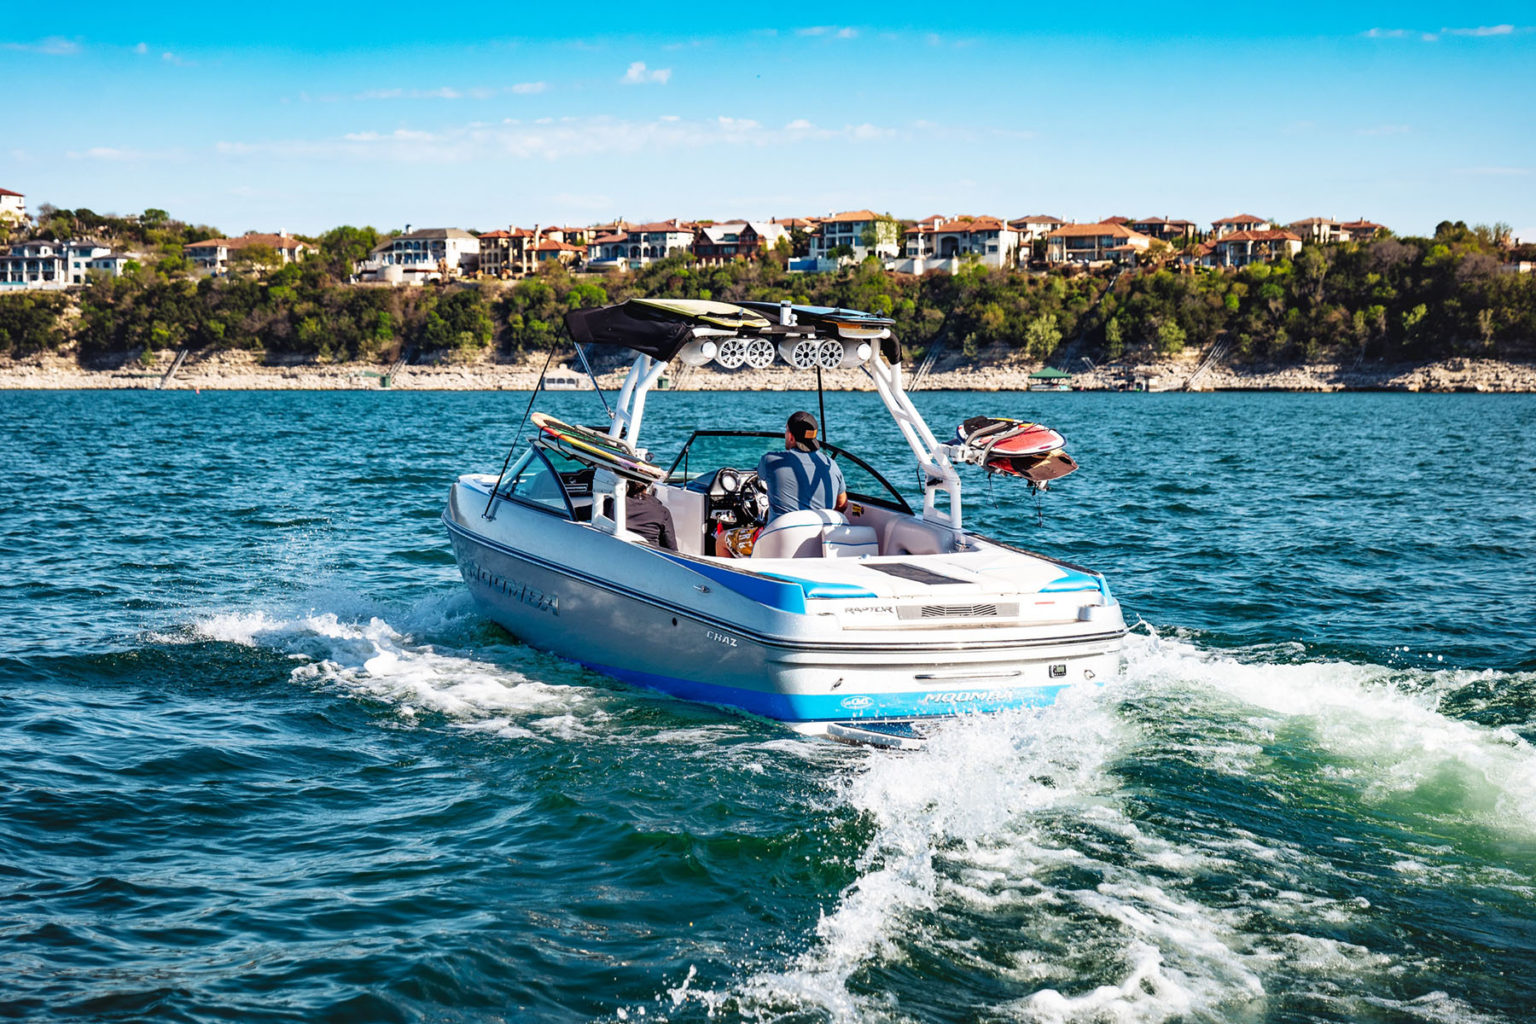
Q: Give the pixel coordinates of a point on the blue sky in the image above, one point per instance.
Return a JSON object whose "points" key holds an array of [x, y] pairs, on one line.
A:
{"points": [[298, 117]]}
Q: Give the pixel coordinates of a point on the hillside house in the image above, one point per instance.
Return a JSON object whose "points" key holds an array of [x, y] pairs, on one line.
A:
{"points": [[1240, 248], [1360, 230], [213, 256], [1166, 229], [716, 244], [1094, 243], [56, 264], [13, 205], [988, 240], [426, 254], [854, 228], [1238, 222], [1036, 226], [507, 254], [1317, 230]]}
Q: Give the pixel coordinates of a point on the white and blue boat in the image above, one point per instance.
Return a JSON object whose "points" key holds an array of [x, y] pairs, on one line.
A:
{"points": [[860, 626]]}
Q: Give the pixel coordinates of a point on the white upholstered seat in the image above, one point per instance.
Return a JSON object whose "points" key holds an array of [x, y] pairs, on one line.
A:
{"points": [[796, 534]]}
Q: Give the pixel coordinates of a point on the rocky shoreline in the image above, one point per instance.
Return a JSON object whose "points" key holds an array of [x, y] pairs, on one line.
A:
{"points": [[244, 371]]}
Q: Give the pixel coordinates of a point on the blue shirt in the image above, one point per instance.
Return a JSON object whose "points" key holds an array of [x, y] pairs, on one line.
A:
{"points": [[800, 480]]}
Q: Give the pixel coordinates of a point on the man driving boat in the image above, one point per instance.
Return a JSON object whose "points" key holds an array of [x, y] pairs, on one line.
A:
{"points": [[802, 476]]}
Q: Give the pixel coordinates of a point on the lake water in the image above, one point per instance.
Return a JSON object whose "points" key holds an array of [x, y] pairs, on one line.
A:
{"points": [[261, 760]]}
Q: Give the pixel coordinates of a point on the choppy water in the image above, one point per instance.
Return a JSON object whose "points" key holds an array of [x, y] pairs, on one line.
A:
{"points": [[261, 760]]}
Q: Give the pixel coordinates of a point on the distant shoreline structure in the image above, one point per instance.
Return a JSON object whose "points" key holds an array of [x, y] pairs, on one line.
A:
{"points": [[241, 371]]}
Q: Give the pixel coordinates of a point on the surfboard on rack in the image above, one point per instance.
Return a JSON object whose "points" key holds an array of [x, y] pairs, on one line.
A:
{"points": [[706, 313], [846, 323], [1008, 436], [1013, 447], [595, 449]]}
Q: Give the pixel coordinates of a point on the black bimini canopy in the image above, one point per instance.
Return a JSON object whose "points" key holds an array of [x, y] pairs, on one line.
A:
{"points": [[626, 325], [660, 328]]}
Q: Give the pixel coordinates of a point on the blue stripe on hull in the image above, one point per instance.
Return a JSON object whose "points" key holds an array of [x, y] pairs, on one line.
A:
{"points": [[803, 707]]}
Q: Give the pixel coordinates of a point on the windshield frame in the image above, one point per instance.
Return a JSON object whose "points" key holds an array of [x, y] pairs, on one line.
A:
{"points": [[895, 501]]}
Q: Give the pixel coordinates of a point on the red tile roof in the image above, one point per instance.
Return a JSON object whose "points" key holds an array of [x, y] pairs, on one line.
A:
{"points": [[274, 241], [661, 225], [1241, 218], [1091, 230], [8, 192], [850, 217], [1271, 235]]}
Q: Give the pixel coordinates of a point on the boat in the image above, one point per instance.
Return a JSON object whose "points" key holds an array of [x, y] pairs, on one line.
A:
{"points": [[1050, 379], [865, 626]]}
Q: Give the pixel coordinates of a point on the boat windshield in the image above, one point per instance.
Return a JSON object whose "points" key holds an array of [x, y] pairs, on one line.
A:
{"points": [[709, 450], [550, 481]]}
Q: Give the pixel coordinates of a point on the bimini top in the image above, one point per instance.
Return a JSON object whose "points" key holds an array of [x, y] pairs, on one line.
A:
{"points": [[660, 328]]}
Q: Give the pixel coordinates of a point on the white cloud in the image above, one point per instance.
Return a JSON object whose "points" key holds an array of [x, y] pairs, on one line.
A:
{"points": [[829, 31], [113, 154], [1481, 30], [561, 138], [141, 49], [638, 74], [53, 46], [478, 92]]}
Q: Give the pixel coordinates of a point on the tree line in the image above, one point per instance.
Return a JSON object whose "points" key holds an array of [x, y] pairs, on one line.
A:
{"points": [[1390, 298]]}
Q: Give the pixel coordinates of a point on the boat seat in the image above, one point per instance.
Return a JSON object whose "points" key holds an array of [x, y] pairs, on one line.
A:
{"points": [[905, 536], [849, 541], [797, 534]]}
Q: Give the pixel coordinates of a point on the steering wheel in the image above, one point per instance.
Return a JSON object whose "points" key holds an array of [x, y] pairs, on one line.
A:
{"points": [[743, 493], [752, 499]]}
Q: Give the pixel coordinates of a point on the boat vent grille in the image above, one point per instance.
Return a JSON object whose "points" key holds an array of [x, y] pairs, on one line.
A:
{"points": [[958, 611]]}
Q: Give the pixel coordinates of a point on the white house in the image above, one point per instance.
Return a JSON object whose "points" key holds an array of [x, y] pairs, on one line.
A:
{"points": [[214, 254], [33, 265], [988, 240], [55, 264], [13, 205], [1319, 230], [426, 253], [854, 228], [1036, 225]]}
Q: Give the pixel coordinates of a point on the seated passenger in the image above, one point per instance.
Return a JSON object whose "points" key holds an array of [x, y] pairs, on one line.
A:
{"points": [[645, 514], [802, 476]]}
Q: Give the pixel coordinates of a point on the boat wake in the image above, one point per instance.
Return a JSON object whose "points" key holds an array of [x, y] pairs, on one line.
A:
{"points": [[1205, 840], [364, 656]]}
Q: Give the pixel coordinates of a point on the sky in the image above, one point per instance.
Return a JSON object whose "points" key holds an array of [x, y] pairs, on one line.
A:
{"points": [[300, 117]]}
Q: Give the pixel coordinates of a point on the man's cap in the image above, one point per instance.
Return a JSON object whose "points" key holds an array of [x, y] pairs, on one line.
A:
{"points": [[802, 427]]}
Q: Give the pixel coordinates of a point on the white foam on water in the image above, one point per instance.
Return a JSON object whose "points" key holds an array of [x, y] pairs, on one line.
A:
{"points": [[1022, 818], [1383, 726], [371, 658]]}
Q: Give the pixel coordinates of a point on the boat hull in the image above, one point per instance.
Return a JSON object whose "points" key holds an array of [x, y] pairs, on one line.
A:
{"points": [[684, 636]]}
